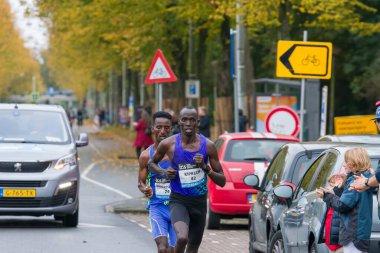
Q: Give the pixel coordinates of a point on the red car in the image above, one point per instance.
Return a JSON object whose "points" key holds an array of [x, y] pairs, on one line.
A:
{"points": [[240, 154]]}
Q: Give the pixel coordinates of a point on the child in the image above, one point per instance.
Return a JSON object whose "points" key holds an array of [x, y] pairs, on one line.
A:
{"points": [[355, 208], [331, 223]]}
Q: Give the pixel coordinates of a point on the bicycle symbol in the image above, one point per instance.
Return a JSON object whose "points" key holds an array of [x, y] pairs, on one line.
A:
{"points": [[311, 59], [159, 72]]}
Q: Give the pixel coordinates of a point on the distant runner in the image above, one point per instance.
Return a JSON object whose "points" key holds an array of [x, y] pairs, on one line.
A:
{"points": [[189, 154], [157, 188]]}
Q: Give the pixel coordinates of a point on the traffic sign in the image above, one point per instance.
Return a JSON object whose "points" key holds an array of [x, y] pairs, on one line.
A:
{"points": [[160, 71], [282, 120], [192, 89], [299, 59], [35, 97]]}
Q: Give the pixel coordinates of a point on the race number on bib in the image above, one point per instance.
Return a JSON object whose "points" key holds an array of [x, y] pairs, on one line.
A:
{"points": [[162, 188], [190, 175]]}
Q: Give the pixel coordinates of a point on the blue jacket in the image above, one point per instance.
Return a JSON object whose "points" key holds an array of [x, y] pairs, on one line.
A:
{"points": [[356, 214]]}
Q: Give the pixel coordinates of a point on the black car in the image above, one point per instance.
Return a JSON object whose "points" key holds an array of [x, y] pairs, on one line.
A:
{"points": [[287, 167]]}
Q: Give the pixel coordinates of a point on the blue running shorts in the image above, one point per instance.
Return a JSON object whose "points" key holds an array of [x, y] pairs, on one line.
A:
{"points": [[160, 223]]}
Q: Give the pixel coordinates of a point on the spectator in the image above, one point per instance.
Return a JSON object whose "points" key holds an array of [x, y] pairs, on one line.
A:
{"points": [[204, 121], [175, 125], [143, 133], [243, 121]]}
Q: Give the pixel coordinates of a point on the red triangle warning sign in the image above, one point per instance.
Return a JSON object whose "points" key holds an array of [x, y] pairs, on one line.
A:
{"points": [[160, 71]]}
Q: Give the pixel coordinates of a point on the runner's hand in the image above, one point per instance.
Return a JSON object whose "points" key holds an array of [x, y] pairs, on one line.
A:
{"points": [[199, 161], [170, 173], [148, 191]]}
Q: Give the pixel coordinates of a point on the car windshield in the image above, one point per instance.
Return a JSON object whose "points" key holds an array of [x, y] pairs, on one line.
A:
{"points": [[252, 150], [26, 126]]}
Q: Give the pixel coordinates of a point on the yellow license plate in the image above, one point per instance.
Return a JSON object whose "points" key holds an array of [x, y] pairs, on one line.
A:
{"points": [[18, 193], [251, 198]]}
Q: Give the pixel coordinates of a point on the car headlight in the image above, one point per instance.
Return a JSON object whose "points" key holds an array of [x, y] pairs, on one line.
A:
{"points": [[69, 160]]}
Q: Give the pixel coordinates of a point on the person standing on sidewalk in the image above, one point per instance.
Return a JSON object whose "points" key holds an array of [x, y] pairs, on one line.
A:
{"points": [[189, 154], [156, 188], [143, 133]]}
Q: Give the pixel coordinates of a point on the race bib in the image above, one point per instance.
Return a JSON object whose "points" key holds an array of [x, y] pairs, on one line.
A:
{"points": [[162, 188], [190, 175]]}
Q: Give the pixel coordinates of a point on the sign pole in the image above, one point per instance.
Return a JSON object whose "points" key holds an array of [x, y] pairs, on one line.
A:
{"points": [[160, 97], [302, 96], [323, 110], [233, 77]]}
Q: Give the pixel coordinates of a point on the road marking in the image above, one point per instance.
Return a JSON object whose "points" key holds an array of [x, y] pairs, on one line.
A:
{"points": [[89, 168], [88, 225]]}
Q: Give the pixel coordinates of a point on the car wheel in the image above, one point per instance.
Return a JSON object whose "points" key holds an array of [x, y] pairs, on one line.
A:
{"points": [[71, 220], [313, 248], [251, 241], [213, 221], [277, 243]]}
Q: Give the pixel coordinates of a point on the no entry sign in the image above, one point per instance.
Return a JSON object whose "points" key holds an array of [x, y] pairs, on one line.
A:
{"points": [[282, 120]]}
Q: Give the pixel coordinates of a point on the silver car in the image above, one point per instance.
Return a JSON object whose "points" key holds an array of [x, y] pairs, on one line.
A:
{"points": [[39, 173], [300, 223]]}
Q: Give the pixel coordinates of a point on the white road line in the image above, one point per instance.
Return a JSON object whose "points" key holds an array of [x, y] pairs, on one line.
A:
{"points": [[84, 176], [88, 170], [88, 225]]}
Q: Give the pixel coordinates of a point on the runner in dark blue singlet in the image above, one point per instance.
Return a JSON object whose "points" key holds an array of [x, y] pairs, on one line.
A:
{"points": [[157, 188], [189, 154]]}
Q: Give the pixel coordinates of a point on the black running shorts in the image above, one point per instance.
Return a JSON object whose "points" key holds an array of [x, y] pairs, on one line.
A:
{"points": [[191, 210]]}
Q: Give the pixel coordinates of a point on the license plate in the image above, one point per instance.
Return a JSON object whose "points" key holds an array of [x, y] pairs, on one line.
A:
{"points": [[251, 198], [17, 193]]}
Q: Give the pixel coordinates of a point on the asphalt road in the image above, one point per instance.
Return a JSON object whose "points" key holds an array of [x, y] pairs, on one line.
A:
{"points": [[104, 180]]}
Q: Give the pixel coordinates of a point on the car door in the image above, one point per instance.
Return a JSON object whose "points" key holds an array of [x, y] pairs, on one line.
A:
{"points": [[315, 208], [294, 215], [265, 198]]}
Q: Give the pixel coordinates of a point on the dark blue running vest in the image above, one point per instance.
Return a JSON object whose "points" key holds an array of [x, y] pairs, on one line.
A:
{"points": [[190, 180]]}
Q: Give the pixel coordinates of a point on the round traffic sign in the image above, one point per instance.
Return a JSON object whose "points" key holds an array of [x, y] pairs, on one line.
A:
{"points": [[282, 120]]}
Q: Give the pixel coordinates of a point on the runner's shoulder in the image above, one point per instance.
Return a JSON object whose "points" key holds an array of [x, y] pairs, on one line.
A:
{"points": [[144, 156]]}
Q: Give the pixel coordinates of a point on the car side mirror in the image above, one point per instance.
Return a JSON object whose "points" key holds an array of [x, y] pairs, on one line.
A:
{"points": [[283, 191], [82, 140], [252, 180]]}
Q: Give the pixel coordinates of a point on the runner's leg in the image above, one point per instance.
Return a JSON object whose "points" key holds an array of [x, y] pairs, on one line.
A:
{"points": [[180, 220], [159, 227], [196, 227]]}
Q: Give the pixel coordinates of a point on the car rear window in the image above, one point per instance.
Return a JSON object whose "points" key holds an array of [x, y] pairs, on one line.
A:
{"points": [[252, 150], [27, 126]]}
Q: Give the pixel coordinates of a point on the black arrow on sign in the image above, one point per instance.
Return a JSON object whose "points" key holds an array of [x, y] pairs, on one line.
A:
{"points": [[285, 58]]}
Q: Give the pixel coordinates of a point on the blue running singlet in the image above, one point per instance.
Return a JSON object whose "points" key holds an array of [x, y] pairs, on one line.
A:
{"points": [[190, 180], [160, 185]]}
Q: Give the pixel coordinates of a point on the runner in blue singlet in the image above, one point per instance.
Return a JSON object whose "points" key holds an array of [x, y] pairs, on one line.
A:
{"points": [[157, 188], [189, 154]]}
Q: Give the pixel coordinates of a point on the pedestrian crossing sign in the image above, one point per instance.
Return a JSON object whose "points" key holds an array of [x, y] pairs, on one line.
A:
{"points": [[160, 71]]}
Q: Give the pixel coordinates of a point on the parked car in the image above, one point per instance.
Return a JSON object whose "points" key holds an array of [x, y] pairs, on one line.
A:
{"points": [[358, 138], [300, 223], [240, 154], [39, 173], [287, 167]]}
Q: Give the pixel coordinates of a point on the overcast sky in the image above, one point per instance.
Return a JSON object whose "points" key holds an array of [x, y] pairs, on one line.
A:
{"points": [[32, 29]]}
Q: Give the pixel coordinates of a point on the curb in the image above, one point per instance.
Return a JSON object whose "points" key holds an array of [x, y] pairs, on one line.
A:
{"points": [[136, 205]]}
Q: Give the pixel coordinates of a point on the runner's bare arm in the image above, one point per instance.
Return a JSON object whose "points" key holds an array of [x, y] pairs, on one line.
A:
{"points": [[161, 150], [143, 173], [216, 174]]}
